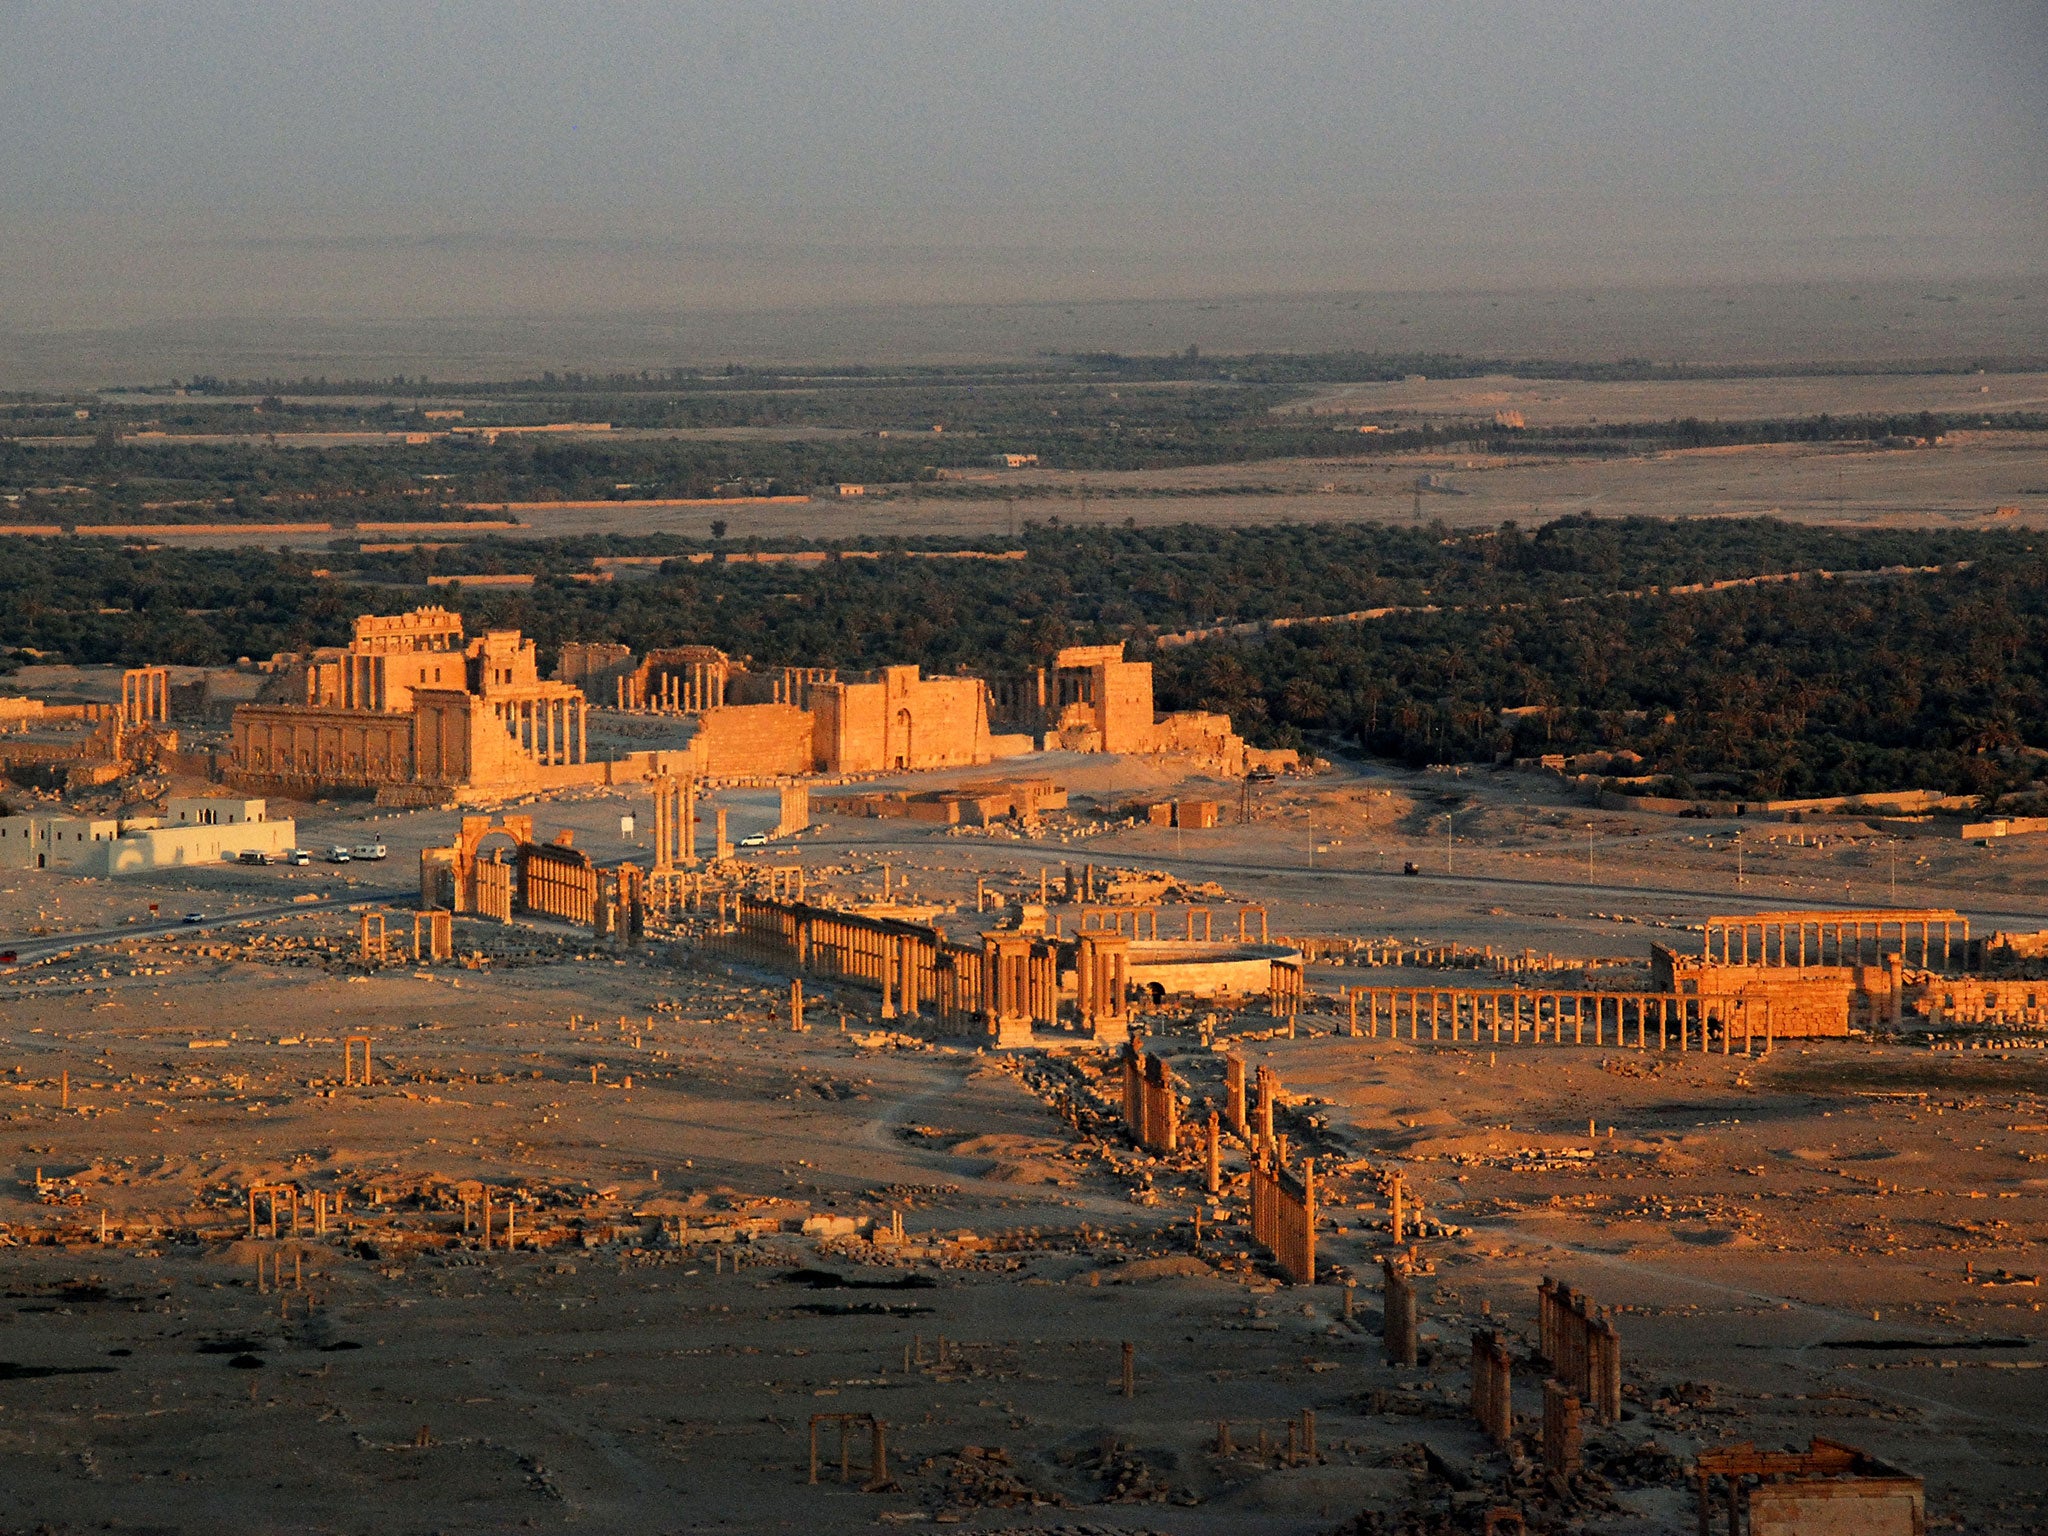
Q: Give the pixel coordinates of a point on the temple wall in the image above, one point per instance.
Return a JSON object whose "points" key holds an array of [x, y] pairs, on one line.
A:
{"points": [[748, 740]]}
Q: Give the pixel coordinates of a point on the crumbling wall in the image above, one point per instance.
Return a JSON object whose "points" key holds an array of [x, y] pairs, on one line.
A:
{"points": [[900, 720], [751, 740]]}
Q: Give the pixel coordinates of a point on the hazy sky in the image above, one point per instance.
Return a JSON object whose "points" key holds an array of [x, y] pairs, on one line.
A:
{"points": [[193, 159]]}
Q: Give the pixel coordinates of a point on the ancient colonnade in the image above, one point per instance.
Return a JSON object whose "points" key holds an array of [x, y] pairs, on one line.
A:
{"points": [[1102, 984], [558, 882], [1656, 1019], [1151, 1107], [677, 688], [1008, 985], [1932, 939], [1143, 923], [553, 732], [675, 823], [1582, 1346], [911, 964], [145, 695], [1284, 1214]]}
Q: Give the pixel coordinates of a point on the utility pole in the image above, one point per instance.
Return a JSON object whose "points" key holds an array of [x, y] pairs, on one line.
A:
{"points": [[1447, 842], [1589, 853]]}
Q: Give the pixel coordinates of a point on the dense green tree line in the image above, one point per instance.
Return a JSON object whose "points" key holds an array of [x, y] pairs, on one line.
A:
{"points": [[1832, 687], [1818, 687]]}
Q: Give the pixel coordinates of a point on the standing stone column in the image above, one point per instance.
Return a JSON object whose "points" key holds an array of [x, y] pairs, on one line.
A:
{"points": [[1603, 1369], [1562, 1435], [1398, 1328]]}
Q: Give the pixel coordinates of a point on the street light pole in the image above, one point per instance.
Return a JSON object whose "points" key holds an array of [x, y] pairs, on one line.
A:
{"points": [[1447, 842]]}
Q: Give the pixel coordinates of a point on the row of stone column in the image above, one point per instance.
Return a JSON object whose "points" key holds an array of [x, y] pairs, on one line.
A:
{"points": [[795, 684], [1582, 1347], [1686, 1019], [553, 732], [1284, 1214], [1022, 977], [910, 967], [1493, 1399], [620, 910], [361, 682], [492, 884], [693, 689], [145, 695], [1255, 1130], [558, 888], [1013, 981], [1143, 922], [1151, 1106], [675, 823], [1936, 941], [1102, 980]]}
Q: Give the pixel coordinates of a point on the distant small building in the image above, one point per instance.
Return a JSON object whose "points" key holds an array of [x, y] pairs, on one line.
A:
{"points": [[851, 490], [1015, 460]]}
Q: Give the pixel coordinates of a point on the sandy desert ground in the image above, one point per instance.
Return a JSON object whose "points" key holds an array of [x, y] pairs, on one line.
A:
{"points": [[1577, 402], [1841, 1238], [1745, 323]]}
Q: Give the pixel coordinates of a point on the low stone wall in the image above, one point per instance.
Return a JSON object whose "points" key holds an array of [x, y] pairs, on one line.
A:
{"points": [[1207, 970]]}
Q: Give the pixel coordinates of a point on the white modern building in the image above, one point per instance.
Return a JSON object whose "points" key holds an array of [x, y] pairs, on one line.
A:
{"points": [[195, 829]]}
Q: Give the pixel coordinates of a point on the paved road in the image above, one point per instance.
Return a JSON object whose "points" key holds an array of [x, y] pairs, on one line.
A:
{"points": [[1194, 867], [49, 944], [1717, 901]]}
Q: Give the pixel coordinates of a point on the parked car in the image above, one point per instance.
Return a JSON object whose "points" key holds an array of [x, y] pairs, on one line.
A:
{"points": [[193, 917], [367, 851], [297, 856], [755, 840], [252, 856], [337, 855], [7, 957]]}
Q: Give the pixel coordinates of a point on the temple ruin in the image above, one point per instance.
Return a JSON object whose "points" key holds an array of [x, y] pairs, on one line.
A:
{"points": [[410, 704], [894, 718]]}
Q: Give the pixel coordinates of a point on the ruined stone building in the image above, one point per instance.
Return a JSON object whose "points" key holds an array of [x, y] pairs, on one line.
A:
{"points": [[676, 680], [895, 718], [1089, 700], [803, 719], [415, 711], [409, 702], [1092, 700], [595, 666]]}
